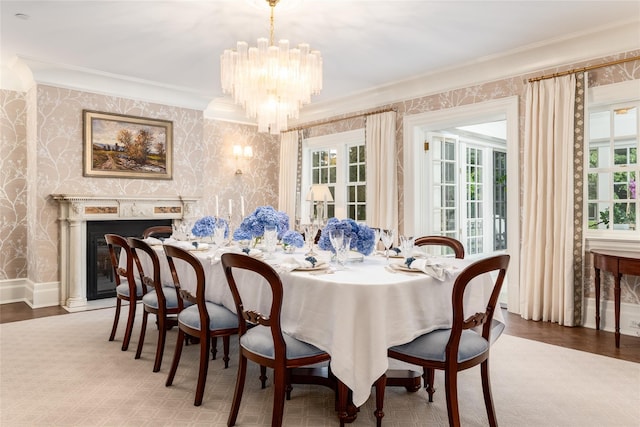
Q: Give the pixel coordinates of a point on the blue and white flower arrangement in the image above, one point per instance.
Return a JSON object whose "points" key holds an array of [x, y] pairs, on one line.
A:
{"points": [[204, 226], [361, 235], [253, 225], [292, 238]]}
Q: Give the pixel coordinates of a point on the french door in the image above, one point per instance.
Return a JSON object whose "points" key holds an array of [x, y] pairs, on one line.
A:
{"points": [[468, 200]]}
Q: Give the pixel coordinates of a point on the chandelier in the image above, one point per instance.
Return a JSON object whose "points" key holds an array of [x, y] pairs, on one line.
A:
{"points": [[271, 82]]}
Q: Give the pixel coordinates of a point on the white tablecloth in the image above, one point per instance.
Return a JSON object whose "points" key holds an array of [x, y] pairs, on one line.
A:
{"points": [[354, 314]]}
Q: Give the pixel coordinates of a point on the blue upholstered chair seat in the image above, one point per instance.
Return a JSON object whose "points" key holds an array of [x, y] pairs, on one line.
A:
{"points": [[151, 298], [219, 317], [123, 288], [259, 340], [432, 346]]}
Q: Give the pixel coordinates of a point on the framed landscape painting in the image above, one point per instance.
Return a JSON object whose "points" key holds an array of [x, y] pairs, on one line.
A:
{"points": [[122, 146]]}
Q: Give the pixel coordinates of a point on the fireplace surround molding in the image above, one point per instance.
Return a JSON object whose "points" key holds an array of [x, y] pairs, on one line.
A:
{"points": [[74, 213]]}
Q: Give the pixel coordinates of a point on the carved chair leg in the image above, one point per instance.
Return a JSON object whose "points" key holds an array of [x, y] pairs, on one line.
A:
{"points": [[263, 376], [429, 378]]}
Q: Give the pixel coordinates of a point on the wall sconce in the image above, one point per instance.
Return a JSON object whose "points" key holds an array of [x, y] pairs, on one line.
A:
{"points": [[241, 152]]}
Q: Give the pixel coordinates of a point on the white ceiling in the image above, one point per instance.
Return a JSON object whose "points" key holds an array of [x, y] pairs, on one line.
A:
{"points": [[364, 44]]}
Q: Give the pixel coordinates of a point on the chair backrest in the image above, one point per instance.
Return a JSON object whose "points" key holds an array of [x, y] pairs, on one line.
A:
{"points": [[495, 263], [151, 282], [183, 294], [450, 242], [231, 261], [162, 230], [115, 241]]}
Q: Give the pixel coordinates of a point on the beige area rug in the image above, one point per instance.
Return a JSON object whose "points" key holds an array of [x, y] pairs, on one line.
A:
{"points": [[62, 371]]}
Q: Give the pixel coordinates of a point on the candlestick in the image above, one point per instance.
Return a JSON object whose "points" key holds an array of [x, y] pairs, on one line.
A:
{"points": [[230, 207], [217, 208], [242, 206]]}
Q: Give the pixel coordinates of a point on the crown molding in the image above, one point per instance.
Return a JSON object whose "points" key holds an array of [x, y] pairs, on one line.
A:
{"points": [[531, 59], [23, 72]]}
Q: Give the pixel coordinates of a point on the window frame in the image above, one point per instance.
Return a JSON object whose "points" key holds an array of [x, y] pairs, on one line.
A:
{"points": [[341, 143], [599, 98]]}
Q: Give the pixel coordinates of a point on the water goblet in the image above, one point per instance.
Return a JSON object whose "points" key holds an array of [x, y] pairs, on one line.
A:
{"points": [[336, 237], [407, 243], [270, 239], [387, 237], [310, 231], [218, 234]]}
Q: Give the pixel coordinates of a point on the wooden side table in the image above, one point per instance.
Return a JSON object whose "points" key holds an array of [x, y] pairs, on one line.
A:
{"points": [[618, 263]]}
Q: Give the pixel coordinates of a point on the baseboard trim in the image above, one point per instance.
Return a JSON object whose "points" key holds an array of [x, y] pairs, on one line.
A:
{"points": [[36, 295], [628, 313]]}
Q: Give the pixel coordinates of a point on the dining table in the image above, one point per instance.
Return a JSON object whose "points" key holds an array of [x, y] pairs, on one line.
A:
{"points": [[354, 312]]}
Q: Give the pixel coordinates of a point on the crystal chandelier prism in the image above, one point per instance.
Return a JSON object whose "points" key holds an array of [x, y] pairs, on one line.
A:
{"points": [[271, 82]]}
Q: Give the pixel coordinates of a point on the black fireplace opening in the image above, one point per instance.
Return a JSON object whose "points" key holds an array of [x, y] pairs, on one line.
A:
{"points": [[100, 275]]}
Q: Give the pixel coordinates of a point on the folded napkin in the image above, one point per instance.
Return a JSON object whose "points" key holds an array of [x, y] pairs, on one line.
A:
{"points": [[152, 241], [433, 267], [292, 263], [183, 245]]}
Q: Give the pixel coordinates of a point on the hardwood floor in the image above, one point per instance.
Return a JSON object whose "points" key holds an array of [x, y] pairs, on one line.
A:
{"points": [[584, 339]]}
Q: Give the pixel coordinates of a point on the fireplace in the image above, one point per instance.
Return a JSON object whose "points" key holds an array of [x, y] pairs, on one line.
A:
{"points": [[100, 275], [78, 214]]}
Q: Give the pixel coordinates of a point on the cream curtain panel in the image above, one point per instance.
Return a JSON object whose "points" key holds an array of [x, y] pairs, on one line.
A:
{"points": [[547, 275], [382, 179], [288, 174]]}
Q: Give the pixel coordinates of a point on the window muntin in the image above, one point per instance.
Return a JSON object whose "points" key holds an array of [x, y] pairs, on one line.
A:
{"points": [[339, 161], [612, 167]]}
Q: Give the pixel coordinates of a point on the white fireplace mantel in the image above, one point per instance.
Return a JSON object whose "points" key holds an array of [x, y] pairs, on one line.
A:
{"points": [[76, 210]]}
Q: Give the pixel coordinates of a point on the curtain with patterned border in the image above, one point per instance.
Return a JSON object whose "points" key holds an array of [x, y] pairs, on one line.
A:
{"points": [[548, 224], [578, 207]]}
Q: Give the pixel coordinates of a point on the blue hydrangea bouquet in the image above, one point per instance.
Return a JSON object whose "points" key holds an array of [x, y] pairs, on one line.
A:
{"points": [[204, 226], [291, 239], [252, 226], [361, 235]]}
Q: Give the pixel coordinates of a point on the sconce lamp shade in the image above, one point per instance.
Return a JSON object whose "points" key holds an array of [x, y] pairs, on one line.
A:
{"points": [[319, 192]]}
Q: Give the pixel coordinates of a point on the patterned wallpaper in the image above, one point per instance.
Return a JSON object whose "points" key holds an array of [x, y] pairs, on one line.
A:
{"points": [[203, 163], [13, 185]]}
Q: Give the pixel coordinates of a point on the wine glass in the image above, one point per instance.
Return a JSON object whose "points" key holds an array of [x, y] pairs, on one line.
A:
{"points": [[387, 237], [342, 251], [336, 237], [376, 238]]}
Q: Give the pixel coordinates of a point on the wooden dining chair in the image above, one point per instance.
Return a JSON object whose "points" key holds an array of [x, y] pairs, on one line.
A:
{"points": [[127, 288], [265, 343], [161, 300], [157, 230], [203, 320], [459, 348], [450, 242]]}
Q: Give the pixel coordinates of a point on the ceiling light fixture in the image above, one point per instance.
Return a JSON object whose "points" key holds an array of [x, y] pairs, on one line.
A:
{"points": [[271, 82]]}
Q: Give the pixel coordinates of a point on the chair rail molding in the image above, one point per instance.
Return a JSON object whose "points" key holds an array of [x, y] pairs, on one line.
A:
{"points": [[74, 213]]}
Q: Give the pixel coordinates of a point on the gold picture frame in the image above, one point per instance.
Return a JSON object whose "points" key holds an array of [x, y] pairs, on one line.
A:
{"points": [[121, 146]]}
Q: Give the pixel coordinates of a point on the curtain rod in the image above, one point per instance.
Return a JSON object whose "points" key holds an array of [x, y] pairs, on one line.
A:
{"points": [[326, 122], [579, 70]]}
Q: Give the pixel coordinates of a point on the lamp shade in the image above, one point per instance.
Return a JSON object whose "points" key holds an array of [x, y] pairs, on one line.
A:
{"points": [[319, 192]]}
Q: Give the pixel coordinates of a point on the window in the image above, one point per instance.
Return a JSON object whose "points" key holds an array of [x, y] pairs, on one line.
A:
{"points": [[612, 168], [338, 161]]}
